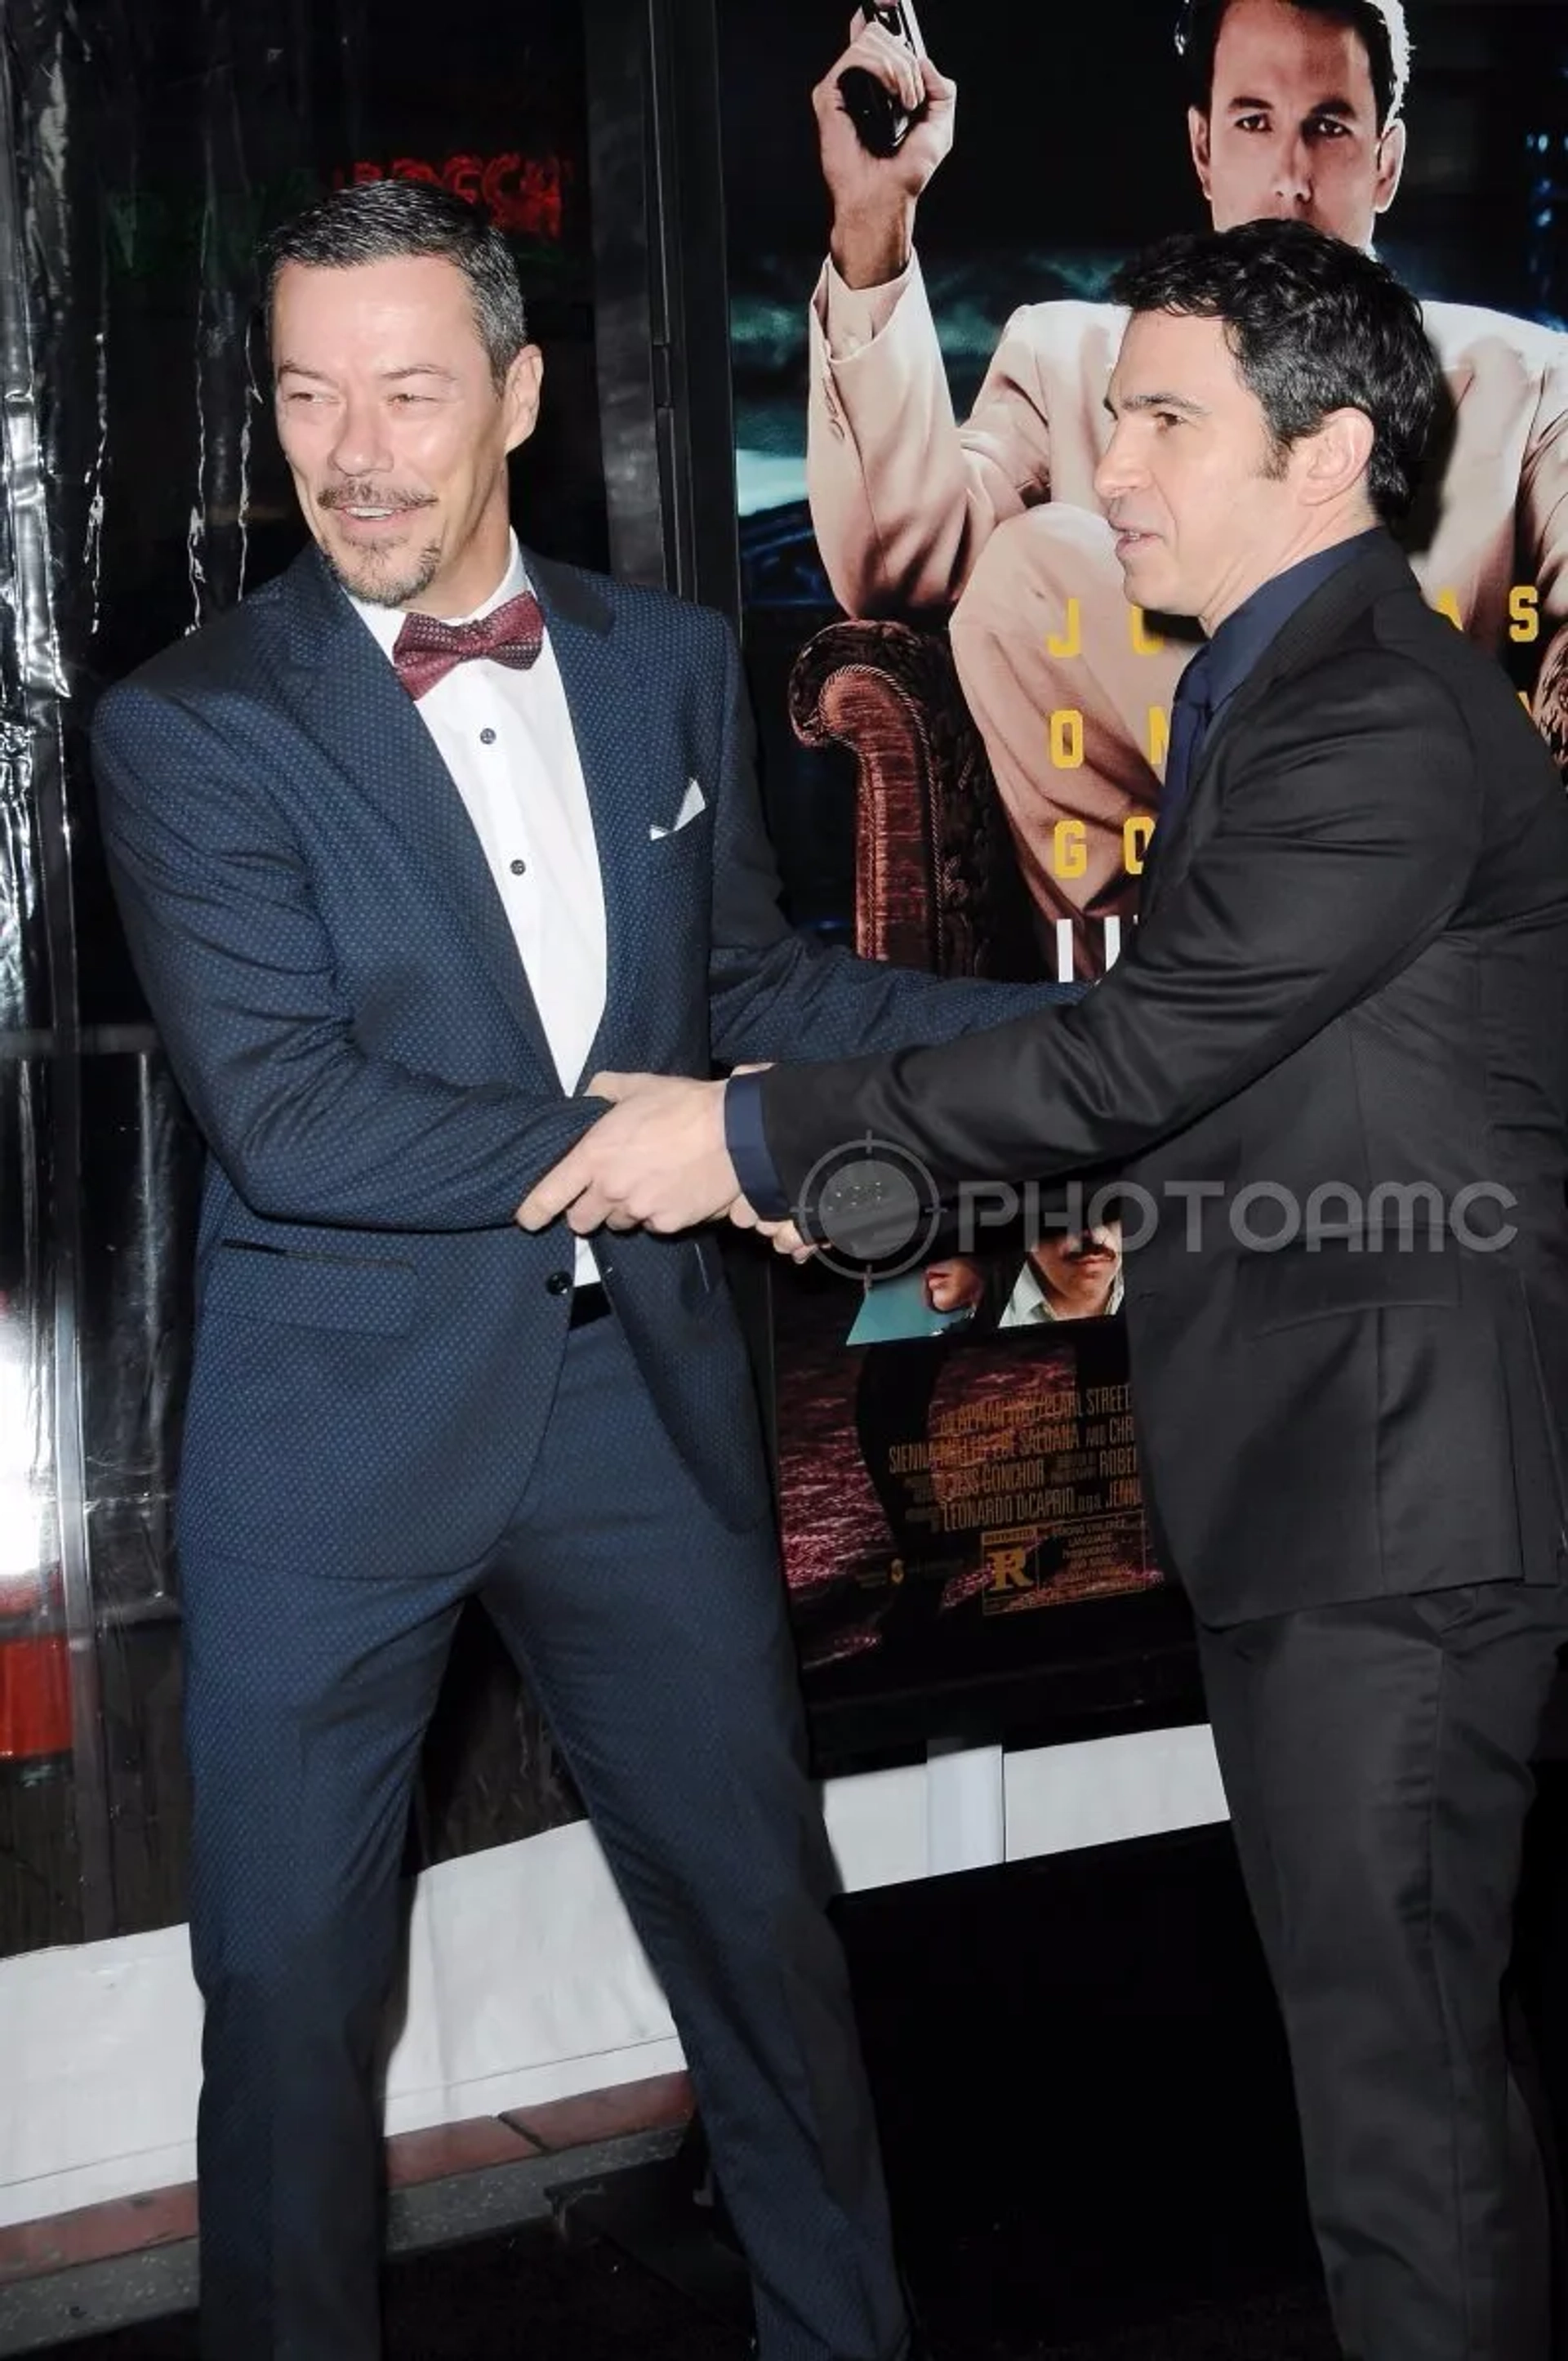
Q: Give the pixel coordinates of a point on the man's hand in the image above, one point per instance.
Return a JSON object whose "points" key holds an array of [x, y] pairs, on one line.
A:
{"points": [[874, 197], [782, 1237], [657, 1161]]}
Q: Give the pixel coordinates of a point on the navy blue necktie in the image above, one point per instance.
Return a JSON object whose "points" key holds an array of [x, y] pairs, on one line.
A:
{"points": [[1190, 715]]}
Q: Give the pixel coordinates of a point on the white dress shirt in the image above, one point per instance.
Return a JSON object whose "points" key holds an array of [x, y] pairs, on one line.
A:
{"points": [[507, 740]]}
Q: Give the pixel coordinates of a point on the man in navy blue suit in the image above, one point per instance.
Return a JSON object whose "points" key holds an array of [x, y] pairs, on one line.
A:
{"points": [[422, 834]]}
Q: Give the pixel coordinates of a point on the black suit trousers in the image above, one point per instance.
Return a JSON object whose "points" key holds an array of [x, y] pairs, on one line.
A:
{"points": [[656, 1641], [1375, 1759]]}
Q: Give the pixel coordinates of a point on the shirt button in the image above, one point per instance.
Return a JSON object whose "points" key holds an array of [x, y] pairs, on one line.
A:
{"points": [[487, 736], [518, 868]]}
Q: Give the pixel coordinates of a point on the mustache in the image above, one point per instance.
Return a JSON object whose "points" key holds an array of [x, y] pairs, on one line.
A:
{"points": [[369, 495]]}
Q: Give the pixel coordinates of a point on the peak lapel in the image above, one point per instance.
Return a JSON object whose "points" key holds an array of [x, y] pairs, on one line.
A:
{"points": [[369, 728], [604, 696]]}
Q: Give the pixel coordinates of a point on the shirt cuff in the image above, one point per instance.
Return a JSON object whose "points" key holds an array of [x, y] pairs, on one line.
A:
{"points": [[852, 318], [746, 1138]]}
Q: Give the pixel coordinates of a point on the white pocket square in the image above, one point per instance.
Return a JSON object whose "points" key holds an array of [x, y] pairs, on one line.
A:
{"points": [[692, 802]]}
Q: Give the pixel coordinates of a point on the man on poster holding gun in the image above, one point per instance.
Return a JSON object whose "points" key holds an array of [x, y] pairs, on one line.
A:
{"points": [[1332, 1064], [1296, 114]]}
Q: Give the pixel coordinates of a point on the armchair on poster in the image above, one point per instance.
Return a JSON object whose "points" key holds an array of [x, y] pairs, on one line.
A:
{"points": [[937, 881]]}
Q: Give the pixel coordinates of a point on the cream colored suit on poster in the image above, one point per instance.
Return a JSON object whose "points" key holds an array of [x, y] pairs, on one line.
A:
{"points": [[912, 511]]}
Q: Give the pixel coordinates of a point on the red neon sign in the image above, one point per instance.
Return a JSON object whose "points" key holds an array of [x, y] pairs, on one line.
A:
{"points": [[525, 195]]}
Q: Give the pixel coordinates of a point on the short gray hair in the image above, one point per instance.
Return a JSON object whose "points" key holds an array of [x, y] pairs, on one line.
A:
{"points": [[374, 221]]}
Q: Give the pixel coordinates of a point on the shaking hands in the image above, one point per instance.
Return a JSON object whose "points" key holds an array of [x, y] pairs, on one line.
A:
{"points": [[657, 1161]]}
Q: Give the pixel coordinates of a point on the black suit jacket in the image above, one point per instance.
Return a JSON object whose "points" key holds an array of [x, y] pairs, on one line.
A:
{"points": [[1348, 993]]}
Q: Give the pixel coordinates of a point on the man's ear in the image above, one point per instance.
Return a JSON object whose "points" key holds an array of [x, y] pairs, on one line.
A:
{"points": [[1390, 166], [1331, 463], [1202, 151], [521, 395]]}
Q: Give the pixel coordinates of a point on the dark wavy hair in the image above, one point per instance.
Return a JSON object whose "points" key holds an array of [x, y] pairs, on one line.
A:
{"points": [[1316, 326], [376, 221]]}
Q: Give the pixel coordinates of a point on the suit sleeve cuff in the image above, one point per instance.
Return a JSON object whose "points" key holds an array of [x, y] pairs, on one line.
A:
{"points": [[853, 317], [747, 1141]]}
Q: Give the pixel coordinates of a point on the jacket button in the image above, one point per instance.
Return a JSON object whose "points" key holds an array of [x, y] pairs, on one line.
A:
{"points": [[559, 1282]]}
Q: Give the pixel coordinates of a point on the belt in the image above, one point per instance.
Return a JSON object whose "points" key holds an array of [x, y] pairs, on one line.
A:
{"points": [[589, 1302]]}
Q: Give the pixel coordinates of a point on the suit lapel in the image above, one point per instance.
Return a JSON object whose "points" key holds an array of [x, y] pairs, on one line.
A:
{"points": [[368, 712], [1305, 636], [611, 725]]}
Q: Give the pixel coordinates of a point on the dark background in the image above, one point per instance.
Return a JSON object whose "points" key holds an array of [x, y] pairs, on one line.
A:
{"points": [[147, 152]]}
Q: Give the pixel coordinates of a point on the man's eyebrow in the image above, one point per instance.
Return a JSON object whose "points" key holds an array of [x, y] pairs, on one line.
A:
{"points": [[389, 377], [1319, 106], [1157, 401]]}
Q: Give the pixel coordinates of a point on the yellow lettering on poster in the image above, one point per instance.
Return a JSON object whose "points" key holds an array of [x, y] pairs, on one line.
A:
{"points": [[1008, 1570], [1136, 835], [1524, 614], [1066, 740], [1159, 735], [1447, 603], [1145, 642], [1069, 848], [1070, 642]]}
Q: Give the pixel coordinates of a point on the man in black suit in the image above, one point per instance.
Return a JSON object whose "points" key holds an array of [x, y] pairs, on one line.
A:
{"points": [[1333, 1061]]}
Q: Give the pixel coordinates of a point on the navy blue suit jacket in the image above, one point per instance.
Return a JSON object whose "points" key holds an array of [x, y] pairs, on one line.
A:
{"points": [[342, 1000]]}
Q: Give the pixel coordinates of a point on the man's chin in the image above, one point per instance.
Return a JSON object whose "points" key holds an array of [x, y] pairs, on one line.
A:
{"points": [[1357, 227], [380, 577], [1141, 570], [1357, 230]]}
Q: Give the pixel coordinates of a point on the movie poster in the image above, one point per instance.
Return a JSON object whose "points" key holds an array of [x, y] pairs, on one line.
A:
{"points": [[964, 725]]}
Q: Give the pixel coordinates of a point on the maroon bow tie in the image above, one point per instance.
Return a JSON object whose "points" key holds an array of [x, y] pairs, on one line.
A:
{"points": [[427, 648]]}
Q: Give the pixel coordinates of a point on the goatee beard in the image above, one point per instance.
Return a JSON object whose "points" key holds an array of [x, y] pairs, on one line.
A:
{"points": [[381, 588]]}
